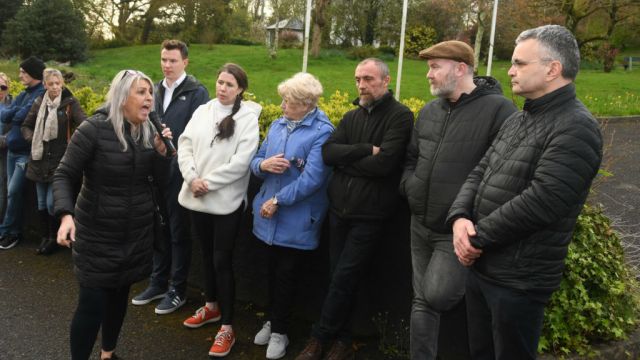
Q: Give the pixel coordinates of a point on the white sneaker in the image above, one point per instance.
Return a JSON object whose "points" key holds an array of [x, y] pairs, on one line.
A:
{"points": [[277, 346], [262, 337]]}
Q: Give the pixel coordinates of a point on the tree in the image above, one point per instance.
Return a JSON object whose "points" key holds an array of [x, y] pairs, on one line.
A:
{"points": [[55, 30], [319, 22], [9, 10]]}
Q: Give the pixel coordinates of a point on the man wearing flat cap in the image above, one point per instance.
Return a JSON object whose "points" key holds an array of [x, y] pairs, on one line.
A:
{"points": [[18, 149], [450, 136]]}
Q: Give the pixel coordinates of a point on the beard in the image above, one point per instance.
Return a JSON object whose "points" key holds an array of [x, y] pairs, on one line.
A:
{"points": [[446, 88]]}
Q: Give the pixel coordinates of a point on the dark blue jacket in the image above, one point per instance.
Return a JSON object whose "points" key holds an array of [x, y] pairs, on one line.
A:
{"points": [[15, 114]]}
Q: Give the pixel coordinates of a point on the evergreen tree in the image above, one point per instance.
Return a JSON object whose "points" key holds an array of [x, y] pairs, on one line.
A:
{"points": [[50, 29]]}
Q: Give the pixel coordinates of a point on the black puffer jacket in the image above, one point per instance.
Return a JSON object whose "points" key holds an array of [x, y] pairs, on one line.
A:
{"points": [[69, 114], [114, 210], [447, 143], [365, 186], [527, 191]]}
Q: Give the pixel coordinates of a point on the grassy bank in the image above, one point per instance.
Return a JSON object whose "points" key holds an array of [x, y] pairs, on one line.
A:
{"points": [[613, 94]]}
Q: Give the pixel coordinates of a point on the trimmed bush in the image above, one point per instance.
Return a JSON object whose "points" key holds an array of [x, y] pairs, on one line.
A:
{"points": [[363, 52], [418, 38], [598, 297]]}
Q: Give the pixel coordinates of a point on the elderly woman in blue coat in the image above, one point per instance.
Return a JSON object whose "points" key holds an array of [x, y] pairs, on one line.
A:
{"points": [[290, 207]]}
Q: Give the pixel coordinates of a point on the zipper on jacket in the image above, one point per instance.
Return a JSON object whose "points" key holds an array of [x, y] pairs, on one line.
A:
{"points": [[433, 162]]}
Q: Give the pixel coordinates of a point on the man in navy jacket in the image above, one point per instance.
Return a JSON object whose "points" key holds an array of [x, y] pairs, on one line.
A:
{"points": [[176, 97], [19, 149]]}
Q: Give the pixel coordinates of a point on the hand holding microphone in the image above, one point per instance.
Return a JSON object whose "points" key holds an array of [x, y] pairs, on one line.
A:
{"points": [[155, 120]]}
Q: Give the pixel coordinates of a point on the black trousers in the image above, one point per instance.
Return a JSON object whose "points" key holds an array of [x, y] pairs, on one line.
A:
{"points": [[285, 265], [352, 244], [217, 235], [504, 323], [171, 266], [97, 308]]}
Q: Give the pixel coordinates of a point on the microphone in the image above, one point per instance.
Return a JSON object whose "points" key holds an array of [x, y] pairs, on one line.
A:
{"points": [[155, 120]]}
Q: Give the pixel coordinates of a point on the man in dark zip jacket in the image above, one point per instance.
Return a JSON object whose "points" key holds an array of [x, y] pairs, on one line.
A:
{"points": [[451, 135], [31, 72], [514, 217], [176, 97], [367, 151]]}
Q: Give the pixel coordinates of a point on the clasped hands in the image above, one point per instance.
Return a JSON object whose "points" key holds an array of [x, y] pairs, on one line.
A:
{"points": [[463, 229]]}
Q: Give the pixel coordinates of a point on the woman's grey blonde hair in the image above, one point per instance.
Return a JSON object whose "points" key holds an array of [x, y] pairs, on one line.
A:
{"points": [[5, 77], [302, 88], [49, 72], [116, 98]]}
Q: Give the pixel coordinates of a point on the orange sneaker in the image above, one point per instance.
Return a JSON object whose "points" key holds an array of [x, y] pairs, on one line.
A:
{"points": [[201, 317], [223, 343]]}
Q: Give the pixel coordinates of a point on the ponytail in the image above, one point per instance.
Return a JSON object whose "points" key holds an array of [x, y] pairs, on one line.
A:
{"points": [[228, 125]]}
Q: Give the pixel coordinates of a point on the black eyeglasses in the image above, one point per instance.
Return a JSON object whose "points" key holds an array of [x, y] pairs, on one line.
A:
{"points": [[130, 72], [4, 87]]}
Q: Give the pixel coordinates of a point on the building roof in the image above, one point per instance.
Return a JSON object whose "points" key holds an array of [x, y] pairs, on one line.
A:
{"points": [[289, 24]]}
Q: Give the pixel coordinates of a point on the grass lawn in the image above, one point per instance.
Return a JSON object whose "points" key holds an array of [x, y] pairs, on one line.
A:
{"points": [[616, 93]]}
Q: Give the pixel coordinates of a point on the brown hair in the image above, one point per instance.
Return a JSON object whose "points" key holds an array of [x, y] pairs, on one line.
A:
{"points": [[176, 45], [227, 125]]}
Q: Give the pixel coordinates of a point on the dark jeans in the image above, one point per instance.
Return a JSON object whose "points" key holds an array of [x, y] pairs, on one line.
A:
{"points": [[217, 235], [97, 308], [173, 263], [285, 265], [13, 216], [503, 323], [351, 246], [438, 285]]}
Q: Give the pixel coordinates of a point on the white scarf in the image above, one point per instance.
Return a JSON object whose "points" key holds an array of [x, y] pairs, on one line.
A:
{"points": [[46, 129]]}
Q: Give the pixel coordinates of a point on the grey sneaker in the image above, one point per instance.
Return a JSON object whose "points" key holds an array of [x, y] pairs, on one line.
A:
{"points": [[277, 346], [262, 337], [171, 302], [148, 295]]}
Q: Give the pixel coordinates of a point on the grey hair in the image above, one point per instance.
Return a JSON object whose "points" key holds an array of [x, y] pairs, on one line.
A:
{"points": [[560, 45], [303, 88], [49, 72], [382, 66], [117, 97]]}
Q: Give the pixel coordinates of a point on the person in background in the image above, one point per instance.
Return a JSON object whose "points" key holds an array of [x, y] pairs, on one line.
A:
{"points": [[5, 100], [513, 218], [450, 136], [48, 128], [176, 97], [290, 207], [110, 227], [18, 149], [367, 152], [214, 154]]}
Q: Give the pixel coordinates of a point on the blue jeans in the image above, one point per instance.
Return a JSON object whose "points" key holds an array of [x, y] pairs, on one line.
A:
{"points": [[438, 285], [173, 263], [13, 217], [504, 323], [45, 196], [351, 246]]}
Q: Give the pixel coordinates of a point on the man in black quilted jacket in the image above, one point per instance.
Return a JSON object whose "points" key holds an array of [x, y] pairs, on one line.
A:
{"points": [[451, 135], [514, 217]]}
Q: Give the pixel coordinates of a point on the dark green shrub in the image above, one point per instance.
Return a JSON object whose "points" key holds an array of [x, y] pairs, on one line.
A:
{"points": [[597, 300], [243, 42], [363, 52], [289, 39], [49, 29]]}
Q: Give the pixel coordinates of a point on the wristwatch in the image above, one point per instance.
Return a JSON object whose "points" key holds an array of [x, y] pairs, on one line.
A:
{"points": [[275, 200]]}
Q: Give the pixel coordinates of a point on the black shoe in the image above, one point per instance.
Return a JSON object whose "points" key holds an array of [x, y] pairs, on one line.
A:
{"points": [[9, 240], [48, 246]]}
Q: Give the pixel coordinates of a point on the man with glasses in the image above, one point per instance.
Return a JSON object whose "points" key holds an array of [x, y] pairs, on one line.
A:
{"points": [[176, 97], [451, 135], [514, 217], [31, 72]]}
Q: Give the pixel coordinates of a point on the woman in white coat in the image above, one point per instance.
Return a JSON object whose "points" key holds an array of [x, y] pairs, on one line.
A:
{"points": [[214, 153]]}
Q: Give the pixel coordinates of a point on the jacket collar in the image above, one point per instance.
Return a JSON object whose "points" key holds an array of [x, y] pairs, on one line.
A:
{"points": [[555, 98]]}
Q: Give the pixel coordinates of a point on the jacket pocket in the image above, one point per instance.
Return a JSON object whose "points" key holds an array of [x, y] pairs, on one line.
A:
{"points": [[416, 194]]}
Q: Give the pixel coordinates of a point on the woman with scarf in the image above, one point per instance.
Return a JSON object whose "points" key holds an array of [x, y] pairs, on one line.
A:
{"points": [[48, 128]]}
